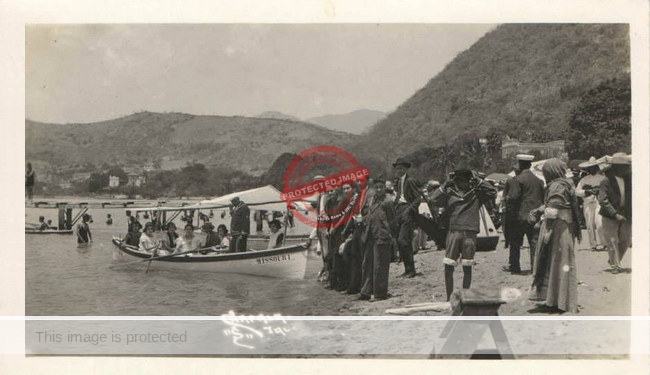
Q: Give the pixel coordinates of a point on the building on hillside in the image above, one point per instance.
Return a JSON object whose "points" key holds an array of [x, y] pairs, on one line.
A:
{"points": [[512, 147], [113, 181], [136, 180], [149, 167]]}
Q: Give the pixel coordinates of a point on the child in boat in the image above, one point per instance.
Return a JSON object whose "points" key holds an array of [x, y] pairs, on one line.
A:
{"points": [[223, 235], [277, 237]]}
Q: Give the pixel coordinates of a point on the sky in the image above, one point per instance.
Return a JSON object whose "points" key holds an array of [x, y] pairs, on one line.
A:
{"points": [[87, 73]]}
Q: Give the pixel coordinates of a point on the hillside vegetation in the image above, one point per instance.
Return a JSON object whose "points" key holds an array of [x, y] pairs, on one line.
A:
{"points": [[172, 140], [523, 80]]}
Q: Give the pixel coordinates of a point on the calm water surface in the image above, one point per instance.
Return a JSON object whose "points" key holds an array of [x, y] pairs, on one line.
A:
{"points": [[64, 279]]}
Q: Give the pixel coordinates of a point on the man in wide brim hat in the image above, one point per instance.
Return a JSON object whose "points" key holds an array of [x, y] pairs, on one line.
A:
{"points": [[615, 199], [587, 189], [592, 162], [401, 161]]}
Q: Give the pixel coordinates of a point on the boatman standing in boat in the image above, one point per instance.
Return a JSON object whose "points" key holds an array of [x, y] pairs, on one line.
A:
{"points": [[240, 225], [83, 230]]}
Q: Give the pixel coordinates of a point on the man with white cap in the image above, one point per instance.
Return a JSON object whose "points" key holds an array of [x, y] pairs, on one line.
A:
{"points": [[525, 194], [587, 189], [615, 198]]}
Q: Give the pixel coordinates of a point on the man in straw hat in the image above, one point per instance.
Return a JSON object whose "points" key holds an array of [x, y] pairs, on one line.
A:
{"points": [[462, 196], [407, 200], [587, 189], [525, 194], [615, 198]]}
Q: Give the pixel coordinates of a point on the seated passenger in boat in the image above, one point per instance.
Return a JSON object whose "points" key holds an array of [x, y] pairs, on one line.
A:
{"points": [[169, 238], [224, 241], [147, 242], [212, 238], [133, 237], [188, 241], [277, 237]]}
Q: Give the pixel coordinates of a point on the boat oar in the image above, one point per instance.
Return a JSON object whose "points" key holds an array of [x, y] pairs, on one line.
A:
{"points": [[153, 253]]}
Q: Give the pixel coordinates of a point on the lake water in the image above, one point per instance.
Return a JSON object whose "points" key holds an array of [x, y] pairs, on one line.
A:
{"points": [[64, 279]]}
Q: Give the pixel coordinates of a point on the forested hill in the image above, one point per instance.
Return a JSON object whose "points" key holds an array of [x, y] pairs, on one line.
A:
{"points": [[172, 140], [519, 79]]}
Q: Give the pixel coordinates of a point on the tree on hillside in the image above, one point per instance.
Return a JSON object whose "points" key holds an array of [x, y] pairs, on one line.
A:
{"points": [[601, 122], [275, 175]]}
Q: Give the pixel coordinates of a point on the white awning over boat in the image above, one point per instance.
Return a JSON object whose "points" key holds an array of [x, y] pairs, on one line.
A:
{"points": [[262, 198]]}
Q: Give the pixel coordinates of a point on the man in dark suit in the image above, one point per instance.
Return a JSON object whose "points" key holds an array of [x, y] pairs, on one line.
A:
{"points": [[525, 193], [407, 200], [615, 198], [376, 239], [510, 216], [240, 225]]}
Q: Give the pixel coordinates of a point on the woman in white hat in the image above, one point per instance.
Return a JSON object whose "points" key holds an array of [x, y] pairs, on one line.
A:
{"points": [[587, 189]]}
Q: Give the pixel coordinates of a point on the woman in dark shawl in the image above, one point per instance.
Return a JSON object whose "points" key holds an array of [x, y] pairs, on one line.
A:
{"points": [[554, 279]]}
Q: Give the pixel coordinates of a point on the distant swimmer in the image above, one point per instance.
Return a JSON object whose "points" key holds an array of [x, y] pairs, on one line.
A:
{"points": [[109, 219]]}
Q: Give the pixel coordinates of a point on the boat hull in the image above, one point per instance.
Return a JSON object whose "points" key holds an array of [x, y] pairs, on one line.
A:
{"points": [[285, 262], [47, 231]]}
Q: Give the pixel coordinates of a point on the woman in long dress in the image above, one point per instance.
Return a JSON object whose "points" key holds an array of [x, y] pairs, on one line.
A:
{"points": [[555, 279]]}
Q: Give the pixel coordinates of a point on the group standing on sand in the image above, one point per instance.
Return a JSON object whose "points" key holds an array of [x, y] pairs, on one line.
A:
{"points": [[356, 257]]}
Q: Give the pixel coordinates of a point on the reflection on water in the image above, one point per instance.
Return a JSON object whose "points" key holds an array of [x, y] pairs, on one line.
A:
{"points": [[65, 279]]}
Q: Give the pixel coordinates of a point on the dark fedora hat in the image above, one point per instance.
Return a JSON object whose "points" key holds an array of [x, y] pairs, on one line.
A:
{"points": [[402, 161]]}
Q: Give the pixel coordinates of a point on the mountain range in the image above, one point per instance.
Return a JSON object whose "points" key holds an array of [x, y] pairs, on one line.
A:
{"points": [[355, 122]]}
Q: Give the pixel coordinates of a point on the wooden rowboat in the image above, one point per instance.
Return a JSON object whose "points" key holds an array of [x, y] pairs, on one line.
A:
{"points": [[285, 262]]}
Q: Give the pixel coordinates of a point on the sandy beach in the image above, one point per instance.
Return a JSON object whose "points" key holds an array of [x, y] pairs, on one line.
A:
{"points": [[600, 292]]}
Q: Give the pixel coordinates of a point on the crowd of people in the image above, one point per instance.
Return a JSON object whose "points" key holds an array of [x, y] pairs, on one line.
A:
{"points": [[549, 213], [383, 224]]}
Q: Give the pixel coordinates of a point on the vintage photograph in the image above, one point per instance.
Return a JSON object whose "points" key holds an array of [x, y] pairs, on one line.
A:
{"points": [[353, 170]]}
